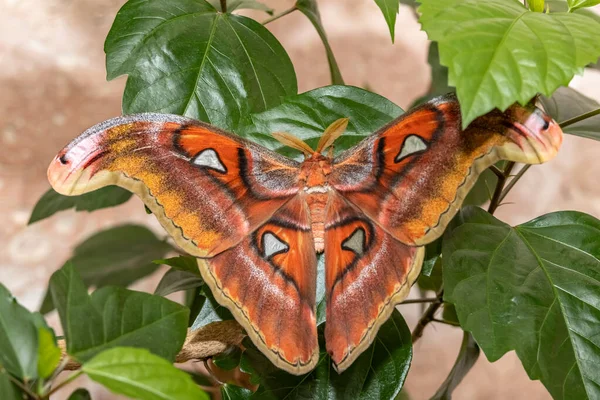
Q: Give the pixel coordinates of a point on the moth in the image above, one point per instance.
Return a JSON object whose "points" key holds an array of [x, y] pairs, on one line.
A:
{"points": [[256, 219]]}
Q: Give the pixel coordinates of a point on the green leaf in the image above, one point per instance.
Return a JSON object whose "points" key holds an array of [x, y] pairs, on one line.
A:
{"points": [[48, 353], [115, 256], [467, 356], [390, 9], [229, 359], [52, 202], [519, 52], [8, 390], [567, 103], [534, 288], [183, 57], [378, 373], [308, 114], [321, 290], [80, 394], [181, 263], [139, 374], [311, 10], [176, 281], [114, 316], [575, 4], [18, 337], [210, 311], [233, 5], [232, 392]]}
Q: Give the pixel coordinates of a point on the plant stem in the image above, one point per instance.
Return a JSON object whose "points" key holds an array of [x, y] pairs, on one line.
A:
{"points": [[424, 300], [22, 386], [282, 14], [58, 370], [514, 181], [224, 6], [441, 321], [427, 317], [69, 379], [497, 171], [579, 118], [495, 202]]}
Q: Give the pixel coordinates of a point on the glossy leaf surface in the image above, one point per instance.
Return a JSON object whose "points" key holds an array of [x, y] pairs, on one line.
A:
{"points": [[511, 44], [139, 374], [534, 288], [183, 57], [113, 317]]}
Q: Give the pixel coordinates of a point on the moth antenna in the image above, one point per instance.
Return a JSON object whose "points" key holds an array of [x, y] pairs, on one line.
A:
{"points": [[332, 132], [292, 141]]}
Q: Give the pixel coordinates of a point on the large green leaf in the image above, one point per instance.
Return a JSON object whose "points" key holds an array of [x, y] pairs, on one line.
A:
{"points": [[211, 310], [567, 103], [499, 52], [114, 316], [534, 288], [184, 57], [378, 373], [311, 10], [48, 352], [138, 374], [18, 337], [52, 202], [308, 114], [115, 256], [467, 356], [390, 9]]}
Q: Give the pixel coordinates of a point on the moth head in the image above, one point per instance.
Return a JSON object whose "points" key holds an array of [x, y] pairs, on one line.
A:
{"points": [[526, 133], [333, 131]]}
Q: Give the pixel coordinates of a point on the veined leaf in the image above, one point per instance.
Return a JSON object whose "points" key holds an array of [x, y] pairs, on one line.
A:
{"points": [[52, 202], [534, 289], [113, 317], [308, 114], [390, 9], [567, 103], [378, 373], [140, 374], [498, 52], [48, 352], [181, 263], [115, 256], [183, 57], [311, 10], [175, 281]]}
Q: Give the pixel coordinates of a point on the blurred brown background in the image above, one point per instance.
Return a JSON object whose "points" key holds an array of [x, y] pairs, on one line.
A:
{"points": [[52, 87]]}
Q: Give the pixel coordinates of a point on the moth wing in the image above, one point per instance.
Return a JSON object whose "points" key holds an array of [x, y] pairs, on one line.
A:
{"points": [[368, 272], [208, 188], [268, 281], [412, 176]]}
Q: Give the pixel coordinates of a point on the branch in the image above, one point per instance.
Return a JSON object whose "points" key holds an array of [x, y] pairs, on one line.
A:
{"points": [[579, 118], [282, 14], [427, 317], [224, 6], [496, 197], [206, 342]]}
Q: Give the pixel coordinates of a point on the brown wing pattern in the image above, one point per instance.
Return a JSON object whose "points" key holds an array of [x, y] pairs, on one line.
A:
{"points": [[367, 273], [268, 281], [412, 176], [209, 189]]}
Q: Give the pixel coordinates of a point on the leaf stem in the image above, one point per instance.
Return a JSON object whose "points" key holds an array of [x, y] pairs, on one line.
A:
{"points": [[58, 369], [423, 300], [441, 321], [282, 14], [427, 317], [224, 6], [497, 171], [514, 181], [495, 202], [579, 118], [22, 386], [69, 379]]}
